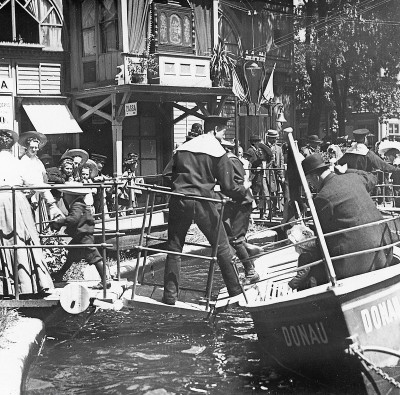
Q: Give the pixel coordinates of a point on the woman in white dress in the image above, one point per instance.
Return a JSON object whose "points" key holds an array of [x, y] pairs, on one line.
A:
{"points": [[33, 274]]}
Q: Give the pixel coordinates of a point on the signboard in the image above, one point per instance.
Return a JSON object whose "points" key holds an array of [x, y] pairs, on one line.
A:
{"points": [[6, 85], [131, 109], [6, 103]]}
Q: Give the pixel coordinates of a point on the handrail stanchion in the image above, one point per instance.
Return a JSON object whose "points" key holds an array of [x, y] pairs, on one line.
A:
{"points": [[320, 234], [136, 273], [15, 263], [117, 229], [153, 198], [103, 241]]}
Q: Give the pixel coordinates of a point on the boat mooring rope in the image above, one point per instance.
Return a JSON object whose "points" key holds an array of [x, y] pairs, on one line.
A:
{"points": [[356, 350]]}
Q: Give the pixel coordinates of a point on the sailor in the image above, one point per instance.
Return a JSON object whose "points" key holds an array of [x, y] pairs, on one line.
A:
{"points": [[236, 218], [360, 157], [342, 202], [195, 168]]}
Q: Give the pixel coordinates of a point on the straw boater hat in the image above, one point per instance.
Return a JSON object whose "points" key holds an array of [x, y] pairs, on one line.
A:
{"points": [[11, 133], [24, 137], [93, 168], [78, 152], [272, 133]]}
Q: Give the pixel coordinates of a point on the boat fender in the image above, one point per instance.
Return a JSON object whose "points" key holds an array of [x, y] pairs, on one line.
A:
{"points": [[74, 298]]}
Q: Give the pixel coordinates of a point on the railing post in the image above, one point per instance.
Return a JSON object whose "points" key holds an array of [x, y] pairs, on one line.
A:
{"points": [[140, 245], [103, 241], [117, 229], [153, 196], [15, 263]]}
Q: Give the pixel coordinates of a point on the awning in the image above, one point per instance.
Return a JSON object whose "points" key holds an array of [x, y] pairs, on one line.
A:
{"points": [[50, 116]]}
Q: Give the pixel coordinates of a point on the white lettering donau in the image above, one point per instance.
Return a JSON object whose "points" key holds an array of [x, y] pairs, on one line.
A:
{"points": [[381, 314], [305, 335]]}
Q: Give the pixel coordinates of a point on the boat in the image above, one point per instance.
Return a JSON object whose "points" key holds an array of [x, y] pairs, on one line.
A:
{"points": [[345, 332], [124, 232]]}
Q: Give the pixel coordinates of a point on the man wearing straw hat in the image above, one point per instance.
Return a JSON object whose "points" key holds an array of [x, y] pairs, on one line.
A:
{"points": [[342, 202], [193, 171]]}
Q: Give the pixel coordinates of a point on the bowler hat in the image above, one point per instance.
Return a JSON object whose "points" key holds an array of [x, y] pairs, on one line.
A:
{"points": [[10, 133], [255, 137], [314, 139], [312, 163], [272, 133], [215, 120], [24, 137]]}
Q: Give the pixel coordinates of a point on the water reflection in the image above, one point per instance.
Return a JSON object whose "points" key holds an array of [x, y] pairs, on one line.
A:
{"points": [[146, 352]]}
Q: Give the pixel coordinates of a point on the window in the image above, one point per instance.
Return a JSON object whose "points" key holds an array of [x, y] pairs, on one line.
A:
{"points": [[88, 28], [35, 22], [108, 25], [394, 131]]}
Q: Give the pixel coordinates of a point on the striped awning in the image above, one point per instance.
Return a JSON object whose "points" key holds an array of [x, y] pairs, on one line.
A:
{"points": [[50, 116]]}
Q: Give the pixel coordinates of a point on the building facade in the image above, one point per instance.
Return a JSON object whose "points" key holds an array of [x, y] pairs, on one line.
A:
{"points": [[120, 76]]}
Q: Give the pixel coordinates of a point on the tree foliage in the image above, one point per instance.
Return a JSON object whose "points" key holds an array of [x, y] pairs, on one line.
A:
{"points": [[340, 58]]}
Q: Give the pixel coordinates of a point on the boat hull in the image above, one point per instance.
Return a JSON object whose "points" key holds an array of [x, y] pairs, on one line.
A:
{"points": [[311, 333]]}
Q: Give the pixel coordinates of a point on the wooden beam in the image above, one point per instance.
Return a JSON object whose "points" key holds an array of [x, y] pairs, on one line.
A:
{"points": [[220, 105], [186, 112], [203, 109], [121, 106], [94, 110]]}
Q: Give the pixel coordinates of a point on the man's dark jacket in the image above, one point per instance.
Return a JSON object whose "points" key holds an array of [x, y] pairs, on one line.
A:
{"points": [[343, 202]]}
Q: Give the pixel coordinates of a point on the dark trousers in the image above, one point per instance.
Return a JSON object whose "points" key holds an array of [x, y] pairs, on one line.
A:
{"points": [[236, 221], [182, 212]]}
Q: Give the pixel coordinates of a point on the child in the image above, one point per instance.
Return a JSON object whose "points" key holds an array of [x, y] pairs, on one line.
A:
{"points": [[79, 225], [88, 172], [308, 252]]}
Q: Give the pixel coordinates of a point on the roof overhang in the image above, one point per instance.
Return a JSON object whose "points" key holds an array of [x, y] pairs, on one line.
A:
{"points": [[157, 93]]}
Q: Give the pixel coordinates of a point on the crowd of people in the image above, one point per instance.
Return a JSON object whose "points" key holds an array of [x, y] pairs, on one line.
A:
{"points": [[71, 207], [204, 166], [341, 175]]}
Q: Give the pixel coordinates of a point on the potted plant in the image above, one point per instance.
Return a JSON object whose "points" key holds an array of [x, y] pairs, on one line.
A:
{"points": [[221, 65], [141, 67]]}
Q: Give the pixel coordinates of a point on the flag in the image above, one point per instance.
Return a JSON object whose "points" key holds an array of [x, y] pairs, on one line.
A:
{"points": [[268, 94], [237, 87]]}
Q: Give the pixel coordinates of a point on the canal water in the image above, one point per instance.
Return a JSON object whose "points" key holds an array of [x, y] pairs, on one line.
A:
{"points": [[148, 353]]}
